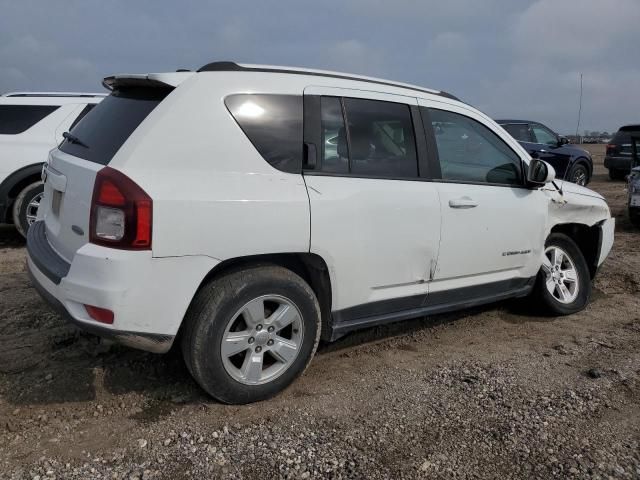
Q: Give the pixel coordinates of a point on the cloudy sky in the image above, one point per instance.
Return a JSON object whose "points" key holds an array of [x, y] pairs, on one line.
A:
{"points": [[510, 58]]}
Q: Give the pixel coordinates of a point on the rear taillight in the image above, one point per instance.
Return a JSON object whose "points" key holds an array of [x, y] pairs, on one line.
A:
{"points": [[611, 149], [121, 212]]}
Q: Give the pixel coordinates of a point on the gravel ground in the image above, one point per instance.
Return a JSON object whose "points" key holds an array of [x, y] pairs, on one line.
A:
{"points": [[486, 393]]}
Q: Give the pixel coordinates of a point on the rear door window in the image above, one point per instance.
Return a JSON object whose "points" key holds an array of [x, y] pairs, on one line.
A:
{"points": [[16, 119], [273, 124], [106, 127], [381, 139]]}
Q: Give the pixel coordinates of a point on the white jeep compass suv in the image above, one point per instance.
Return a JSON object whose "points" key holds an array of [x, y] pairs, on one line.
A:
{"points": [[31, 124], [251, 211]]}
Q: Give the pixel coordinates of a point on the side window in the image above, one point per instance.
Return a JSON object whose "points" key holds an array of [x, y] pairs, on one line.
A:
{"points": [[519, 131], [381, 139], [273, 123], [16, 119], [470, 152], [335, 152], [544, 135]]}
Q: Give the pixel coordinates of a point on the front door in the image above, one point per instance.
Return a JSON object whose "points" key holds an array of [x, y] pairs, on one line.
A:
{"points": [[492, 226], [550, 150]]}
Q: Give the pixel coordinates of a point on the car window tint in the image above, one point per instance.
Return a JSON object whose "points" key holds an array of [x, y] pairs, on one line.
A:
{"points": [[16, 119], [84, 111], [273, 124], [381, 139], [544, 135], [107, 127], [470, 152], [335, 152], [519, 131]]}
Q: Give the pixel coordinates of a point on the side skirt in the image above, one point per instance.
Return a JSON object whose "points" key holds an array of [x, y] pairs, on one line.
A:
{"points": [[398, 309]]}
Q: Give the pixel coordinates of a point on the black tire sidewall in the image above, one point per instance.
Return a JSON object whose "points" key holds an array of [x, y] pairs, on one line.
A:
{"points": [[577, 168], [205, 355], [22, 203], [550, 304]]}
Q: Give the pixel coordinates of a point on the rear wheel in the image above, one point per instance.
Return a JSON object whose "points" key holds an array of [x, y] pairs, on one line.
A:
{"points": [[616, 174], [579, 174], [25, 208], [564, 283], [634, 216], [250, 333]]}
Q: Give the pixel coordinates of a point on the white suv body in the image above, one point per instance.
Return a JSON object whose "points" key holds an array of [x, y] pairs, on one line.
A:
{"points": [[31, 124], [230, 183]]}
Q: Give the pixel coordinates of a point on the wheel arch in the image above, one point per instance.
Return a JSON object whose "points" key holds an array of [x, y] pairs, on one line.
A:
{"points": [[585, 161], [587, 238], [310, 267], [13, 184]]}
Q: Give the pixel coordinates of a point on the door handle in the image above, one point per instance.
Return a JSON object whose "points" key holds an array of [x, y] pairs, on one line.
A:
{"points": [[464, 202]]}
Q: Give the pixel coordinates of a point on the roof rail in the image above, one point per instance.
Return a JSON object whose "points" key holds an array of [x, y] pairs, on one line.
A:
{"points": [[226, 66], [54, 94]]}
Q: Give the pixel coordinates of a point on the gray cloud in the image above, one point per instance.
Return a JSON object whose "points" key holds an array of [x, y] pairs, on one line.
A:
{"points": [[507, 57]]}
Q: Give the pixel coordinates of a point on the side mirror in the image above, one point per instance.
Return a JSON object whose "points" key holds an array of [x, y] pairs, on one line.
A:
{"points": [[563, 141], [540, 172]]}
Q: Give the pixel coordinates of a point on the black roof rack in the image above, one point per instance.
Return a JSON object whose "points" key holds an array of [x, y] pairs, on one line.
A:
{"points": [[227, 66]]}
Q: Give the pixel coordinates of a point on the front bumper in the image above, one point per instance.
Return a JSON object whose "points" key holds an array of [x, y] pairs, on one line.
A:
{"points": [[607, 228], [148, 296]]}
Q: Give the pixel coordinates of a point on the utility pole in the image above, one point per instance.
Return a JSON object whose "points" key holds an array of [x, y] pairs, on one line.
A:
{"points": [[579, 107]]}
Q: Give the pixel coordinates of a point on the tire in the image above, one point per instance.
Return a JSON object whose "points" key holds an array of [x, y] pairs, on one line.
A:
{"points": [[224, 308], [26, 205], [634, 216], [579, 174], [616, 174], [551, 303]]}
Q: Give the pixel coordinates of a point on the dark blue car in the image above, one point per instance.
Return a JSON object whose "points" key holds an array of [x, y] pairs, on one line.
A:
{"points": [[570, 162]]}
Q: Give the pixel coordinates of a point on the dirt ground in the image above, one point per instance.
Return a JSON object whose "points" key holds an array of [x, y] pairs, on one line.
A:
{"points": [[487, 393]]}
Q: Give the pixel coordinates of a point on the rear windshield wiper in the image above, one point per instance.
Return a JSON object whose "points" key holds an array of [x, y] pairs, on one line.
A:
{"points": [[73, 139]]}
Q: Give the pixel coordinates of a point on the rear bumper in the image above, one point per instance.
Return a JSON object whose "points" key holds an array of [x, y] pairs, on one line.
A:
{"points": [[617, 163], [143, 341], [148, 296]]}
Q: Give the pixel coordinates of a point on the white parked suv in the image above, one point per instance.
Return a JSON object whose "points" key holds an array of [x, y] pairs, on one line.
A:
{"points": [[31, 124], [251, 211]]}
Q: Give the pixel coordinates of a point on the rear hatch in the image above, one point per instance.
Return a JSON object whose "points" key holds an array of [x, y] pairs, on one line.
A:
{"points": [[620, 145], [90, 146]]}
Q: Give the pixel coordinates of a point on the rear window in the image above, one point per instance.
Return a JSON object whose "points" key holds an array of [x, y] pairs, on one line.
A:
{"points": [[16, 119], [273, 124], [106, 127], [621, 137]]}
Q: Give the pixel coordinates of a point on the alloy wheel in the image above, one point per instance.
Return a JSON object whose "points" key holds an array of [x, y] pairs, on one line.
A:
{"points": [[561, 275], [262, 340], [32, 208]]}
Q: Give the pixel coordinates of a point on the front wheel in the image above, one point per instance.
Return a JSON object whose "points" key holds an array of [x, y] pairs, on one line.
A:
{"points": [[25, 208], [564, 283], [579, 175], [250, 333]]}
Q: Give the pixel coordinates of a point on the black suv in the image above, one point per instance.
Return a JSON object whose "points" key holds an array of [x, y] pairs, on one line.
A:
{"points": [[618, 156], [569, 161]]}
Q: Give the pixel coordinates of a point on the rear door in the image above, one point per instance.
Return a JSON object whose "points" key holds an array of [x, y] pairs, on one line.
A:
{"points": [[373, 218], [72, 168]]}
